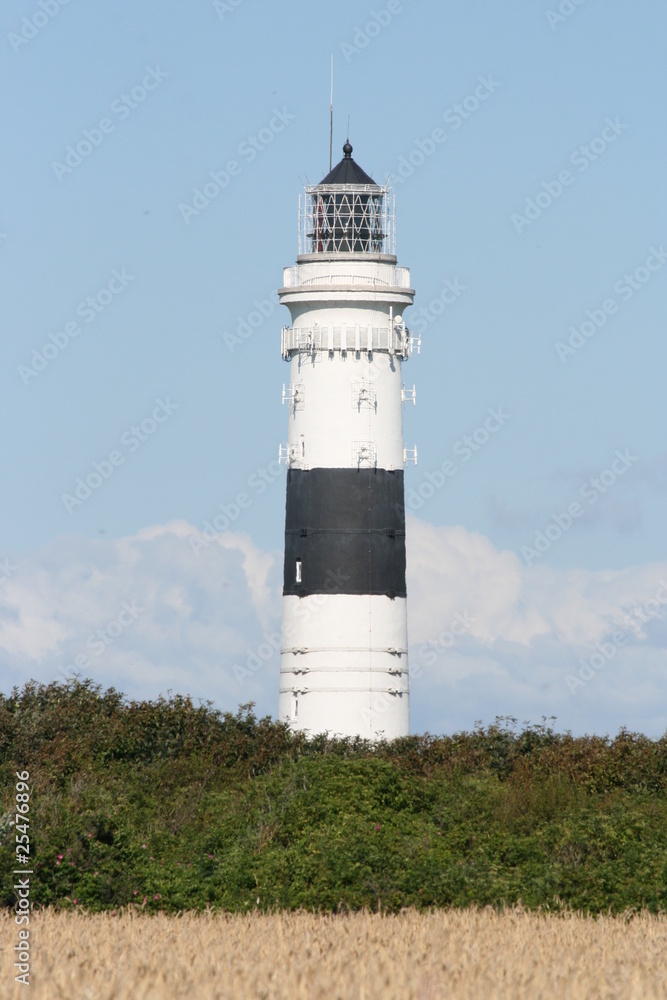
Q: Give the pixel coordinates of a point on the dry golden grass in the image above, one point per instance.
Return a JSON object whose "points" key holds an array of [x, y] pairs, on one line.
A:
{"points": [[446, 954]]}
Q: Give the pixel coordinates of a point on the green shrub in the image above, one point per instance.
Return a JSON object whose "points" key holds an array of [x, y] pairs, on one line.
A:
{"points": [[172, 806]]}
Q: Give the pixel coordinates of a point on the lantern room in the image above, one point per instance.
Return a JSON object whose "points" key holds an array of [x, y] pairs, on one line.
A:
{"points": [[347, 212]]}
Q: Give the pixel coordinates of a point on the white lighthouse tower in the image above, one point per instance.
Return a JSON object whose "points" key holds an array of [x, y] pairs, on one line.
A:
{"points": [[344, 663]]}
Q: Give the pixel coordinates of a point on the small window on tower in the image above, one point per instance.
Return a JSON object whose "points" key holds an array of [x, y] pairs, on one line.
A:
{"points": [[298, 571], [296, 706]]}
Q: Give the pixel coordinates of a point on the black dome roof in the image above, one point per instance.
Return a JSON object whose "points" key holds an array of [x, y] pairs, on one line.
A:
{"points": [[347, 171]]}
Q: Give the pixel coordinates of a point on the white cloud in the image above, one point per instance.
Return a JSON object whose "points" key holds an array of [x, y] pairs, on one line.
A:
{"points": [[533, 627], [194, 615], [143, 613], [451, 569]]}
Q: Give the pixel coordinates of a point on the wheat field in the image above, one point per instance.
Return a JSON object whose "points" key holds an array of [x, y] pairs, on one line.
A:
{"points": [[457, 955]]}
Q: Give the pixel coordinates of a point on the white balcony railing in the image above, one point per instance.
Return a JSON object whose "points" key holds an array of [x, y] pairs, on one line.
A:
{"points": [[397, 277], [316, 339], [346, 279]]}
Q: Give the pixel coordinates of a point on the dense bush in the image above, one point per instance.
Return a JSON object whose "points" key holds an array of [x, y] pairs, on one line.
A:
{"points": [[175, 806]]}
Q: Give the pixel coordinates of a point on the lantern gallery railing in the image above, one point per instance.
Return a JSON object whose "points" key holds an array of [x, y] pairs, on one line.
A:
{"points": [[315, 339], [367, 280], [347, 218], [397, 277]]}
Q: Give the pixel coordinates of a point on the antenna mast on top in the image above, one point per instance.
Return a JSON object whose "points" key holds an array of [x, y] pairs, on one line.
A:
{"points": [[331, 116]]}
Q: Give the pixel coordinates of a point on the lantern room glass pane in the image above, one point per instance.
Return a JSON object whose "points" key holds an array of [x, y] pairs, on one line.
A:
{"points": [[346, 219]]}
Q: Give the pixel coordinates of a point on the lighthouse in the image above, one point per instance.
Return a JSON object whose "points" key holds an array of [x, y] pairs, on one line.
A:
{"points": [[344, 655]]}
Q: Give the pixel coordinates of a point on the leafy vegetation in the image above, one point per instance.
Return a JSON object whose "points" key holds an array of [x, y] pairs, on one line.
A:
{"points": [[174, 806]]}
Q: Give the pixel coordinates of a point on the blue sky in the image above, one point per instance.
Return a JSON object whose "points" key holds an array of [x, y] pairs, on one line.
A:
{"points": [[493, 114]]}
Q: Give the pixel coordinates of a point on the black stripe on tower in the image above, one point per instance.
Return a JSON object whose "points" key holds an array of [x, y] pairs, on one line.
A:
{"points": [[345, 532]]}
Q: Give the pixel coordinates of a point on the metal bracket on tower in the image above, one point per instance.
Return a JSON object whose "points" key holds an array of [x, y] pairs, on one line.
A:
{"points": [[289, 454], [309, 341], [415, 344], [364, 453], [294, 394], [410, 454], [408, 395], [293, 454], [364, 394]]}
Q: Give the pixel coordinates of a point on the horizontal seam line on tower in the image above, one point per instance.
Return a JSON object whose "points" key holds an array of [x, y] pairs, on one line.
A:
{"points": [[340, 670], [343, 690], [346, 531], [394, 650]]}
